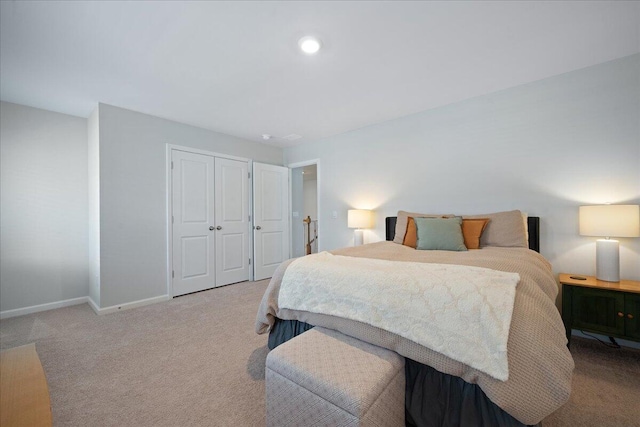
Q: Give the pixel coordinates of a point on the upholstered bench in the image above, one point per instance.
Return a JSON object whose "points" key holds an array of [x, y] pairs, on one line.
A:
{"points": [[325, 378]]}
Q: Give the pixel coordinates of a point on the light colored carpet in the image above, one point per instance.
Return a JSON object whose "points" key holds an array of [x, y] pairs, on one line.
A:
{"points": [[195, 360], [605, 389]]}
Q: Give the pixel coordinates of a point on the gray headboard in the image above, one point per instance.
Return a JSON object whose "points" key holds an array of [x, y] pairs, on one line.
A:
{"points": [[533, 223]]}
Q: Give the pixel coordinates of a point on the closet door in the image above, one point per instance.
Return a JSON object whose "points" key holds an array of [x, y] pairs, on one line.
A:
{"points": [[232, 221], [193, 218]]}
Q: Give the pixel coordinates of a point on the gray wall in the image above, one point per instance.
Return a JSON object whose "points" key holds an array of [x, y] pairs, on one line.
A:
{"points": [[44, 247], [545, 148], [84, 202], [133, 241]]}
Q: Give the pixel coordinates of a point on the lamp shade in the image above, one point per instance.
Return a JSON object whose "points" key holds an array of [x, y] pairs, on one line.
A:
{"points": [[610, 220], [359, 218]]}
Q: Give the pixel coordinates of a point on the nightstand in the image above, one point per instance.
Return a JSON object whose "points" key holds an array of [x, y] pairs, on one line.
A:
{"points": [[606, 308]]}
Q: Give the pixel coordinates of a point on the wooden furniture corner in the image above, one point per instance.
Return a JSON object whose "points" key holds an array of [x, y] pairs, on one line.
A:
{"points": [[24, 395], [607, 308]]}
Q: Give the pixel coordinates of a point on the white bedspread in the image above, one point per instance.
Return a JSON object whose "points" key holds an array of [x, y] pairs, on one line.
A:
{"points": [[463, 312]]}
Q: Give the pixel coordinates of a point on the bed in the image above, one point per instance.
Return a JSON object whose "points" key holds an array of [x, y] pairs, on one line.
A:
{"points": [[442, 390]]}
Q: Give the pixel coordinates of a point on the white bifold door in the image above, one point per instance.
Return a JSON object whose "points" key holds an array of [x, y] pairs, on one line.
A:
{"points": [[271, 218], [210, 208]]}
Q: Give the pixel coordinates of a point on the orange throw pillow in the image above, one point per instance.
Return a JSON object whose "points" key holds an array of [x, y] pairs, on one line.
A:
{"points": [[411, 236], [472, 230]]}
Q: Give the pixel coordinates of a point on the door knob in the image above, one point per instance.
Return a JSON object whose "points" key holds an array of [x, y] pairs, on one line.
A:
{"points": [[211, 228], [218, 228], [258, 228]]}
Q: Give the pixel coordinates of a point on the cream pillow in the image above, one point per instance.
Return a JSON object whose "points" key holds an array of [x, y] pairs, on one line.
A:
{"points": [[505, 229], [525, 219]]}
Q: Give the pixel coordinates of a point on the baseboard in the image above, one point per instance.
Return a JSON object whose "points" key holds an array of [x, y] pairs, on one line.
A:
{"points": [[42, 307], [93, 305], [81, 300], [126, 306]]}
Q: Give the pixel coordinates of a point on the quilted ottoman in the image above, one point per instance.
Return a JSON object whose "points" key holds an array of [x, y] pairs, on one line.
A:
{"points": [[325, 378]]}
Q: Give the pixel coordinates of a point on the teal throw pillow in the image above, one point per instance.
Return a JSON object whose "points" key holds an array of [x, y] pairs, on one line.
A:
{"points": [[440, 234]]}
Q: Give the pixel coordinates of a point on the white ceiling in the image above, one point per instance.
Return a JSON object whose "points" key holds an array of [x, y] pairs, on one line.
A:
{"points": [[234, 67]]}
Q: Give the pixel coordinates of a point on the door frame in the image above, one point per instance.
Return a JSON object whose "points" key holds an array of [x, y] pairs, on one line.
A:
{"points": [[169, 205], [299, 165]]}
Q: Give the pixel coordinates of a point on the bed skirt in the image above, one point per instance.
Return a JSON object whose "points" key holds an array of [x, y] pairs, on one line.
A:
{"points": [[432, 398]]}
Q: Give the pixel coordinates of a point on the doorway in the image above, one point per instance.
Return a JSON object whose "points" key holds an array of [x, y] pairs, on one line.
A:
{"points": [[304, 210]]}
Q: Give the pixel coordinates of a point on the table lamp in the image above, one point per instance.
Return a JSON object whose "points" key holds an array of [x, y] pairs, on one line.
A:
{"points": [[609, 221], [359, 219]]}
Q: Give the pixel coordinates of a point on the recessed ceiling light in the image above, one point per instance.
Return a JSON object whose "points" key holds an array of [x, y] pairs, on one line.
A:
{"points": [[266, 136], [309, 45]]}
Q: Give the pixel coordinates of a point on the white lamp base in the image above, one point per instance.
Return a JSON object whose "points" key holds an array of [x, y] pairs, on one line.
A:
{"points": [[358, 237], [607, 260]]}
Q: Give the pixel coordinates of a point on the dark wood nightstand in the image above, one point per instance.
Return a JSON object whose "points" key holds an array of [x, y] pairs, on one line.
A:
{"points": [[607, 308]]}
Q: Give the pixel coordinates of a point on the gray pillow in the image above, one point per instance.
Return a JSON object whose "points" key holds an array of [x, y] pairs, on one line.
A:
{"points": [[440, 234], [403, 219]]}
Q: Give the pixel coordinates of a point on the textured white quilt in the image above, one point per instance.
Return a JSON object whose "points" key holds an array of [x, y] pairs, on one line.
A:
{"points": [[463, 312]]}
